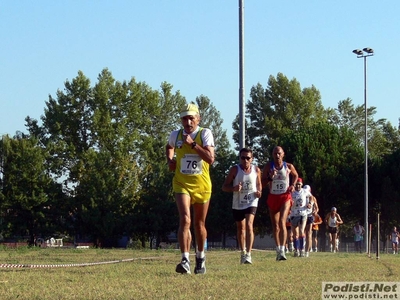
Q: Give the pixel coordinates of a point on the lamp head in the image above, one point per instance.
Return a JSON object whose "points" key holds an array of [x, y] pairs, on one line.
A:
{"points": [[369, 50], [358, 52]]}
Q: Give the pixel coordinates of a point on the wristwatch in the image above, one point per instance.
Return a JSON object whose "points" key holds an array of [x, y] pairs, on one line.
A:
{"points": [[194, 145]]}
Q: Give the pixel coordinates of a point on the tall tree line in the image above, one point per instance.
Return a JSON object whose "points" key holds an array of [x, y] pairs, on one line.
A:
{"points": [[326, 146], [95, 164], [100, 151]]}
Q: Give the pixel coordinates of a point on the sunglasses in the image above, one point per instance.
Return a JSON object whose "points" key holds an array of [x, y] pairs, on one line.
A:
{"points": [[245, 157]]}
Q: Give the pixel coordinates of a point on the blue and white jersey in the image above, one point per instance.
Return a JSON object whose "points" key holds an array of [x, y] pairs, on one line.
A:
{"points": [[300, 201]]}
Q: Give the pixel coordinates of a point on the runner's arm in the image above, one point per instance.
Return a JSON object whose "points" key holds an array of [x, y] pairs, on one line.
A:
{"points": [[228, 183]]}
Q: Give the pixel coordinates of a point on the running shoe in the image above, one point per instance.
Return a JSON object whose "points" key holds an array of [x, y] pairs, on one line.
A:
{"points": [[247, 259], [183, 267], [200, 266], [242, 258], [282, 256]]}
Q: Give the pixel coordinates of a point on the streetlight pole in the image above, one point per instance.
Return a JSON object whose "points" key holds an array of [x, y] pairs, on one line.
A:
{"points": [[364, 54], [242, 106]]}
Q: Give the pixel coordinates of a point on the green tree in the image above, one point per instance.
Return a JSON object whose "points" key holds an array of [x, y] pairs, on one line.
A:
{"points": [[384, 196], [279, 109], [29, 194], [330, 160], [107, 140], [155, 215], [383, 138]]}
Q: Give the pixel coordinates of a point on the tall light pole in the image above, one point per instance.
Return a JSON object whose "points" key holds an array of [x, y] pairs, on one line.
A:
{"points": [[364, 53], [242, 106]]}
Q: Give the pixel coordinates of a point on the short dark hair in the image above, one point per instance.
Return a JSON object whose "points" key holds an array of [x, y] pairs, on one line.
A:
{"points": [[246, 150]]}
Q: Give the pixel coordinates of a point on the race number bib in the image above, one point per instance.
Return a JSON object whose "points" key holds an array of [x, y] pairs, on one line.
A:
{"points": [[246, 194], [246, 197], [279, 187], [191, 164]]}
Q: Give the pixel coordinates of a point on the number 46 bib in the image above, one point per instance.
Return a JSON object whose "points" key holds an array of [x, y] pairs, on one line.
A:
{"points": [[246, 197]]}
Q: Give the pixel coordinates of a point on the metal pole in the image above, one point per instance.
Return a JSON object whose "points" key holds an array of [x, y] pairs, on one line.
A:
{"points": [[366, 152], [369, 240], [378, 236], [364, 54], [241, 77]]}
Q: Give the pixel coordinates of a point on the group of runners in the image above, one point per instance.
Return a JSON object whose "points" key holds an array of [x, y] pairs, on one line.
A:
{"points": [[303, 221], [190, 152]]}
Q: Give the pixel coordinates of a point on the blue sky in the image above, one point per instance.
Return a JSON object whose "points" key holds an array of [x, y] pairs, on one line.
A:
{"points": [[194, 45]]}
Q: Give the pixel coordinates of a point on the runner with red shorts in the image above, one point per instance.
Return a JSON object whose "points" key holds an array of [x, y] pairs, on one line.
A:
{"points": [[280, 177]]}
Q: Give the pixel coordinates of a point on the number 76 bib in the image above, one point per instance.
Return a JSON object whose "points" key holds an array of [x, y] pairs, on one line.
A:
{"points": [[191, 164]]}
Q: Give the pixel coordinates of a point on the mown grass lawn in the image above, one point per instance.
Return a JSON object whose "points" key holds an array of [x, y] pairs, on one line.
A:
{"points": [[135, 274]]}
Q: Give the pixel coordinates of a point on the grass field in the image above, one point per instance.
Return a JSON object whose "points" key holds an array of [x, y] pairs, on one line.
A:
{"points": [[134, 274]]}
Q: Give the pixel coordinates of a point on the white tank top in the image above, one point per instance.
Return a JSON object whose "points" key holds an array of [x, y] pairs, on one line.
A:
{"points": [[280, 181], [332, 221], [395, 238], [246, 197], [300, 201]]}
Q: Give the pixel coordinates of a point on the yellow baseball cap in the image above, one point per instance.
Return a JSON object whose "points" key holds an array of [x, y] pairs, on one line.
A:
{"points": [[189, 110]]}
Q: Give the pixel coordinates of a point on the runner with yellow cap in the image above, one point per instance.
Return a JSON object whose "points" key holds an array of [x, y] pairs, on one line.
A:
{"points": [[190, 152]]}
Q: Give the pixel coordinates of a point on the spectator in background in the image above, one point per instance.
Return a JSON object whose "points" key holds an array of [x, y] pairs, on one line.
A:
{"points": [[358, 236], [394, 237]]}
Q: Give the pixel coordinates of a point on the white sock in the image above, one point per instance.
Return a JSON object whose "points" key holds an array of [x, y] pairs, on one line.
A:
{"points": [[186, 255], [200, 254]]}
